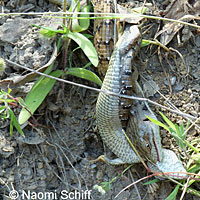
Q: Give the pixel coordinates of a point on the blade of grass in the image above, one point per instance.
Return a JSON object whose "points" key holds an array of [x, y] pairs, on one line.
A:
{"points": [[37, 94], [172, 196], [168, 121], [155, 121], [14, 123], [152, 181]]}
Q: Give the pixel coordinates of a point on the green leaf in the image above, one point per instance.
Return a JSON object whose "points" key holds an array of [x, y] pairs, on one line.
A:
{"points": [[14, 123], [46, 29], [88, 35], [11, 123], [85, 74], [188, 123], [2, 108], [9, 90], [193, 191], [106, 186], [194, 169], [181, 128], [86, 45], [37, 94], [85, 23], [192, 147], [82, 24], [168, 121], [172, 196], [181, 143], [178, 130], [151, 181], [155, 121], [87, 65], [47, 33], [7, 100], [145, 43]]}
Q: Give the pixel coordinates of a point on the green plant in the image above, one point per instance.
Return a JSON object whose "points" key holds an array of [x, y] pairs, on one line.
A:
{"points": [[179, 132], [105, 186], [6, 111], [43, 85]]}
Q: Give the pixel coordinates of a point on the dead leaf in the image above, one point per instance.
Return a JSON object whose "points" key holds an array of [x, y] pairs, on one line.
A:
{"points": [[180, 10], [132, 20]]}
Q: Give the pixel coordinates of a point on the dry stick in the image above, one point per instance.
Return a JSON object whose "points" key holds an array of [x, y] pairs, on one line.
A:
{"points": [[111, 15], [115, 23], [166, 75], [193, 123], [181, 56], [104, 91], [135, 186], [49, 166], [67, 148], [157, 174], [185, 188]]}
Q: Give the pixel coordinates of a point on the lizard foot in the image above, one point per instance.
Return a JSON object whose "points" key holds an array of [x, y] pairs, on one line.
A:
{"points": [[106, 160]]}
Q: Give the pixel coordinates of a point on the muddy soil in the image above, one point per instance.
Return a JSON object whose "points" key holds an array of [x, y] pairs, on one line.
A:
{"points": [[54, 158]]}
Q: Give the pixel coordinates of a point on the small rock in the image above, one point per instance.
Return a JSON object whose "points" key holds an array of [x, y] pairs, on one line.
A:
{"points": [[93, 166], [189, 91], [40, 165], [172, 81], [197, 41], [178, 87], [99, 175], [67, 110], [196, 87]]}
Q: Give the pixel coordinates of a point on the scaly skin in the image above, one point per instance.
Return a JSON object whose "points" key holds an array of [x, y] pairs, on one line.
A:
{"points": [[146, 138], [103, 34], [143, 134], [107, 107]]}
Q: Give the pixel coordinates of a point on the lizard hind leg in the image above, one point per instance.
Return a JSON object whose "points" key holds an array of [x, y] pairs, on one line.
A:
{"points": [[105, 159]]}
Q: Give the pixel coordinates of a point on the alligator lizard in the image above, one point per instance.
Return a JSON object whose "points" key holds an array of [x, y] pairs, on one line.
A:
{"points": [[107, 107], [144, 135], [110, 109]]}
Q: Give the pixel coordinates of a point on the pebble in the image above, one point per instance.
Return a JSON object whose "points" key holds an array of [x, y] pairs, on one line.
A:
{"points": [[179, 87], [189, 91], [172, 81], [197, 41]]}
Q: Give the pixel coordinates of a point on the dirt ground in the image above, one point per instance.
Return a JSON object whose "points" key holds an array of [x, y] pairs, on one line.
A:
{"points": [[55, 155]]}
